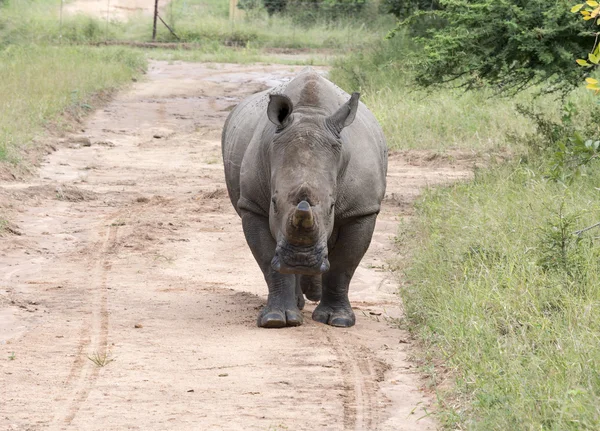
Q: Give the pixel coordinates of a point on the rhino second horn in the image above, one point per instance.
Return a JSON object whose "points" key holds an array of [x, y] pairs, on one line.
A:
{"points": [[303, 216]]}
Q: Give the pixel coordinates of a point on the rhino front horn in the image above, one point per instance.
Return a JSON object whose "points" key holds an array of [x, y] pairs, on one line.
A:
{"points": [[303, 216]]}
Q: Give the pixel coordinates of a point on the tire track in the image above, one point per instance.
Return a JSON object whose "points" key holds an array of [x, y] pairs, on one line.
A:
{"points": [[94, 334], [361, 399]]}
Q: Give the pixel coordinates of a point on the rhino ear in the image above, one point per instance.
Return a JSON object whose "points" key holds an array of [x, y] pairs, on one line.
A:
{"points": [[344, 116], [279, 110]]}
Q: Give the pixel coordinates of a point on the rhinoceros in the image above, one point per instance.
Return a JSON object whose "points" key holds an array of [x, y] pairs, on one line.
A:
{"points": [[305, 166]]}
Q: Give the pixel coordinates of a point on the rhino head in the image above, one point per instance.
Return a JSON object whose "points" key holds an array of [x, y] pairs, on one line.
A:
{"points": [[306, 160]]}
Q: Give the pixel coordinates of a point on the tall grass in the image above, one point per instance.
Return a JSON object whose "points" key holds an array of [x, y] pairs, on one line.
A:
{"points": [[443, 118], [38, 83], [505, 294], [302, 27], [38, 22], [200, 21]]}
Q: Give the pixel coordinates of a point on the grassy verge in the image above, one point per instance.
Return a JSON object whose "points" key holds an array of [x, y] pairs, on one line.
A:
{"points": [[39, 83], [506, 296], [215, 52]]}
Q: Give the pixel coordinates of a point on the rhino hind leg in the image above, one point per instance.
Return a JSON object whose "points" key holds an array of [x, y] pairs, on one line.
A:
{"points": [[299, 294], [351, 245], [283, 305], [311, 286]]}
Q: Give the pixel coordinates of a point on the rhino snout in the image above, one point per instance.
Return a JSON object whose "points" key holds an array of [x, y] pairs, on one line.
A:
{"points": [[310, 260]]}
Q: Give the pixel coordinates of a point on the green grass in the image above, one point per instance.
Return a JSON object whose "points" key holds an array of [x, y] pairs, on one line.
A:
{"points": [[40, 82], [201, 21], [38, 22], [506, 300], [218, 53]]}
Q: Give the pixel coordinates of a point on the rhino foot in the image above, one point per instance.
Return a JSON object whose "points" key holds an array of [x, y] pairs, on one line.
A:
{"points": [[342, 317], [271, 317]]}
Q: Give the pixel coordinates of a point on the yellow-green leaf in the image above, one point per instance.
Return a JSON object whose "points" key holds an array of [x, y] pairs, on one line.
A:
{"points": [[576, 8], [591, 81], [592, 3], [594, 59], [587, 18], [595, 12], [592, 87], [582, 62], [585, 12]]}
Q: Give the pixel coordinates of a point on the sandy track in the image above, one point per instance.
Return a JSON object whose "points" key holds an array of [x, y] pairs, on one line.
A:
{"points": [[119, 10], [130, 250]]}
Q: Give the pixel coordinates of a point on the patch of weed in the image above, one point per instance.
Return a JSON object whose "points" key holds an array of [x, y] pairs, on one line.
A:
{"points": [[101, 359]]}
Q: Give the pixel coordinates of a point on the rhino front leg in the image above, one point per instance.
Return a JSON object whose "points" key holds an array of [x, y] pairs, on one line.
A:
{"points": [[282, 303], [352, 243]]}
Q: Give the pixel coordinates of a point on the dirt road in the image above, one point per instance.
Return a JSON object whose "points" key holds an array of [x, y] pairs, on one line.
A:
{"points": [[120, 301], [119, 10]]}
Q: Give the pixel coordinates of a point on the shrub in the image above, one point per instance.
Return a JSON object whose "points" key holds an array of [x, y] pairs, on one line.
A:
{"points": [[510, 44]]}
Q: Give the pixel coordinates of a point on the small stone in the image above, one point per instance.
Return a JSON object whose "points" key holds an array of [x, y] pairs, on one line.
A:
{"points": [[138, 326], [83, 140], [162, 133]]}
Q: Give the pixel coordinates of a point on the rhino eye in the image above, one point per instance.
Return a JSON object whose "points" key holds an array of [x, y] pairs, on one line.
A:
{"points": [[274, 202], [331, 207]]}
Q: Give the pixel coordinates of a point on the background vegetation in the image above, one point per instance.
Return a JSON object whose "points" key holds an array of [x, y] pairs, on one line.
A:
{"points": [[304, 24]]}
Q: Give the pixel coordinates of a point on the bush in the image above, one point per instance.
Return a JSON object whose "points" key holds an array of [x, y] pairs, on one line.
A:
{"points": [[402, 9], [274, 6], [510, 44], [565, 148]]}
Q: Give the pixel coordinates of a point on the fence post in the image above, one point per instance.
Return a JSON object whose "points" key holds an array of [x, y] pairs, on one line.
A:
{"points": [[155, 18]]}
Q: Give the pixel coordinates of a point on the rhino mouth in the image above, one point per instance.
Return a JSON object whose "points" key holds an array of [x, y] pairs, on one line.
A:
{"points": [[305, 260]]}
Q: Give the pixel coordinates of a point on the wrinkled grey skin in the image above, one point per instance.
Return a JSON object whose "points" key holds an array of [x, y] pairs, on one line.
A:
{"points": [[305, 166]]}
